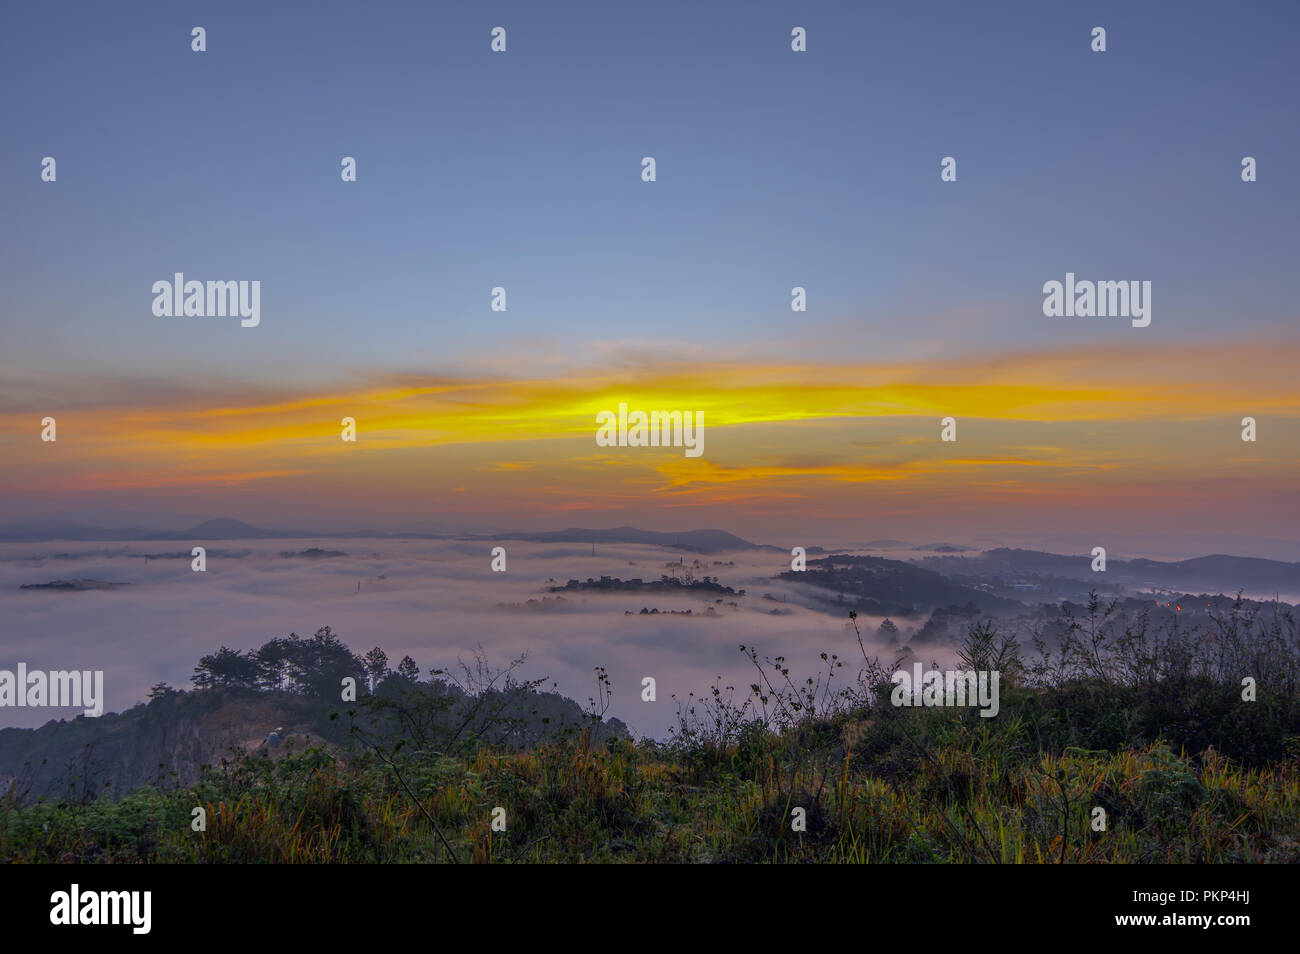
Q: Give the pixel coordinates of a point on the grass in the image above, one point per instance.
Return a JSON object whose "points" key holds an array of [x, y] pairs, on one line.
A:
{"points": [[1135, 751], [975, 796]]}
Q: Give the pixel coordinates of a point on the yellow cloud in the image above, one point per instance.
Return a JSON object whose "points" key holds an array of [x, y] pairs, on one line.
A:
{"points": [[852, 424]]}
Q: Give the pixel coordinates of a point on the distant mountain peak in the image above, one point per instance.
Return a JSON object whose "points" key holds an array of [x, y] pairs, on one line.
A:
{"points": [[223, 523], [699, 541]]}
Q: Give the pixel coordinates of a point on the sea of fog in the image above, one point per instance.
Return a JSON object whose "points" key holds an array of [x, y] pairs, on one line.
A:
{"points": [[433, 600]]}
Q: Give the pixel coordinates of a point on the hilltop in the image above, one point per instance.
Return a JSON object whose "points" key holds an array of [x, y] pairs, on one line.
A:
{"points": [[291, 683]]}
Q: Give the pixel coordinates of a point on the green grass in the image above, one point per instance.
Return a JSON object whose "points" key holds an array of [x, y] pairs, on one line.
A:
{"points": [[876, 786], [1145, 725]]}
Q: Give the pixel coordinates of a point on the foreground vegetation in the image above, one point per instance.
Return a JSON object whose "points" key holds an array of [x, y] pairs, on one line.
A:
{"points": [[1149, 728]]}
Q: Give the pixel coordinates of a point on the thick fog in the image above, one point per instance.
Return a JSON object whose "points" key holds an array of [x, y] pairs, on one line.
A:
{"points": [[433, 600]]}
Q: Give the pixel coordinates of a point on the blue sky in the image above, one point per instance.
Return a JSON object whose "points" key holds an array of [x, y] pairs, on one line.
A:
{"points": [[523, 170]]}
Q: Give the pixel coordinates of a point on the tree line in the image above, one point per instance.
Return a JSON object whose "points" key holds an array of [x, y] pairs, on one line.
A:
{"points": [[313, 666]]}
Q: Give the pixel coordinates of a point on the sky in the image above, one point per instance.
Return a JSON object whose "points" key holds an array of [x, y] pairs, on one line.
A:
{"points": [[774, 169]]}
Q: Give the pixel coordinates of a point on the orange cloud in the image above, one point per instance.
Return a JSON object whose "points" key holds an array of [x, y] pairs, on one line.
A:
{"points": [[773, 432]]}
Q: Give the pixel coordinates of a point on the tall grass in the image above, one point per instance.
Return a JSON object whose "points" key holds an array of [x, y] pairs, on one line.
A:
{"points": [[1147, 730]]}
